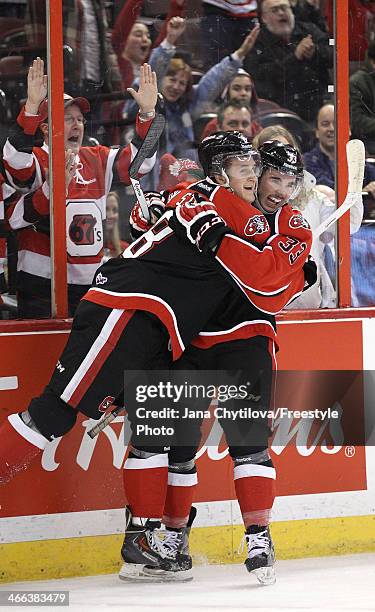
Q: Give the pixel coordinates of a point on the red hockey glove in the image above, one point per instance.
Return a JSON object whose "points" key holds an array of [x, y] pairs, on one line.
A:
{"points": [[138, 224], [292, 223], [200, 224]]}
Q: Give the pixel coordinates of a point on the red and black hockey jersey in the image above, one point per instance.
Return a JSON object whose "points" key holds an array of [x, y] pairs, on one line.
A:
{"points": [[184, 288], [27, 168], [240, 317]]}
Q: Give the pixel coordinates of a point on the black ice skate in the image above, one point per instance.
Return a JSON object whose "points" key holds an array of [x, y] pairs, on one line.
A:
{"points": [[177, 554], [150, 557], [261, 554]]}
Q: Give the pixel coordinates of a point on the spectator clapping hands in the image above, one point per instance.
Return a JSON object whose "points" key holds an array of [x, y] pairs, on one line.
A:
{"points": [[70, 167], [305, 48]]}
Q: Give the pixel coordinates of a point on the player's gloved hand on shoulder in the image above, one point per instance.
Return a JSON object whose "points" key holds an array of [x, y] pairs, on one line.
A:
{"points": [[291, 222], [200, 224], [156, 206], [310, 271]]}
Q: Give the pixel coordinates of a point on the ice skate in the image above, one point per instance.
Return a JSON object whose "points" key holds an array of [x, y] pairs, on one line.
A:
{"points": [[152, 555], [261, 554], [175, 540], [175, 565]]}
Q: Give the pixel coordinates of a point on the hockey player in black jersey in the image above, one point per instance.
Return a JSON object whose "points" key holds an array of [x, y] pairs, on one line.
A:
{"points": [[160, 290], [239, 337]]}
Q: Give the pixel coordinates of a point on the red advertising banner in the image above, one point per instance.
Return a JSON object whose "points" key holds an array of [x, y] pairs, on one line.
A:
{"points": [[77, 473]]}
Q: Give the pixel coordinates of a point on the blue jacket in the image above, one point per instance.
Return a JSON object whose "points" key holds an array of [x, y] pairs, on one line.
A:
{"points": [[178, 135], [179, 128], [319, 164]]}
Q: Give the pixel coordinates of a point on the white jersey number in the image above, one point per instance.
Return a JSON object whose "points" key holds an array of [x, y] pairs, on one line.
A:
{"points": [[159, 232]]}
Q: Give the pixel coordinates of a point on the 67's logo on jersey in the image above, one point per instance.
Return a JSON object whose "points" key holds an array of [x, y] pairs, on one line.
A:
{"points": [[257, 224], [84, 225]]}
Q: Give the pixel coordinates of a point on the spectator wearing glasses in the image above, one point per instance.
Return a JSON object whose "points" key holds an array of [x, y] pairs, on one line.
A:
{"points": [[89, 174], [290, 60]]}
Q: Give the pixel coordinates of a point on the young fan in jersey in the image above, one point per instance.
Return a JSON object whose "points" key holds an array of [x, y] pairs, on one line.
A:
{"points": [[238, 337], [89, 177], [161, 291]]}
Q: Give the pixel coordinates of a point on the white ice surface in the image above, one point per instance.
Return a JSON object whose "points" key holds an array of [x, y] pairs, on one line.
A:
{"points": [[328, 583]]}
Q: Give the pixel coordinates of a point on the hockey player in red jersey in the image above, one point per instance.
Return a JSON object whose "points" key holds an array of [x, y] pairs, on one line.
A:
{"points": [[161, 290], [238, 337], [92, 172]]}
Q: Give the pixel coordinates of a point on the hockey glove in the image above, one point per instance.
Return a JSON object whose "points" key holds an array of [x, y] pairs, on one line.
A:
{"points": [[310, 271], [200, 224], [292, 223], [138, 224]]}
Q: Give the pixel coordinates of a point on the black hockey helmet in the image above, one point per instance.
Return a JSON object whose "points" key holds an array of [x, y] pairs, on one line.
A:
{"points": [[219, 146], [281, 157], [285, 159]]}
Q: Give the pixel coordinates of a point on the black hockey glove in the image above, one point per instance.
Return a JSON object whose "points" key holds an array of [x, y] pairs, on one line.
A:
{"points": [[310, 271], [156, 205], [200, 224]]}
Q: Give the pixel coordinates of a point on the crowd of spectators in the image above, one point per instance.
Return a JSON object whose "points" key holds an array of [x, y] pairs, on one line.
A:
{"points": [[220, 64]]}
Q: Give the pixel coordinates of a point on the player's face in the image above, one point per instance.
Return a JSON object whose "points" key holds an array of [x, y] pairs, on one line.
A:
{"points": [[240, 89], [243, 179], [174, 86], [74, 127], [111, 212], [325, 132], [138, 44], [275, 189], [237, 119], [277, 15]]}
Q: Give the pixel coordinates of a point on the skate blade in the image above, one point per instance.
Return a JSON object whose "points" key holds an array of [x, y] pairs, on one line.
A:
{"points": [[131, 571], [265, 575], [165, 576]]}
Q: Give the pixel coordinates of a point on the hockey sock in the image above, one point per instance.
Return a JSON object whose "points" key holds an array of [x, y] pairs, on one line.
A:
{"points": [[19, 445], [145, 483], [182, 482]]}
